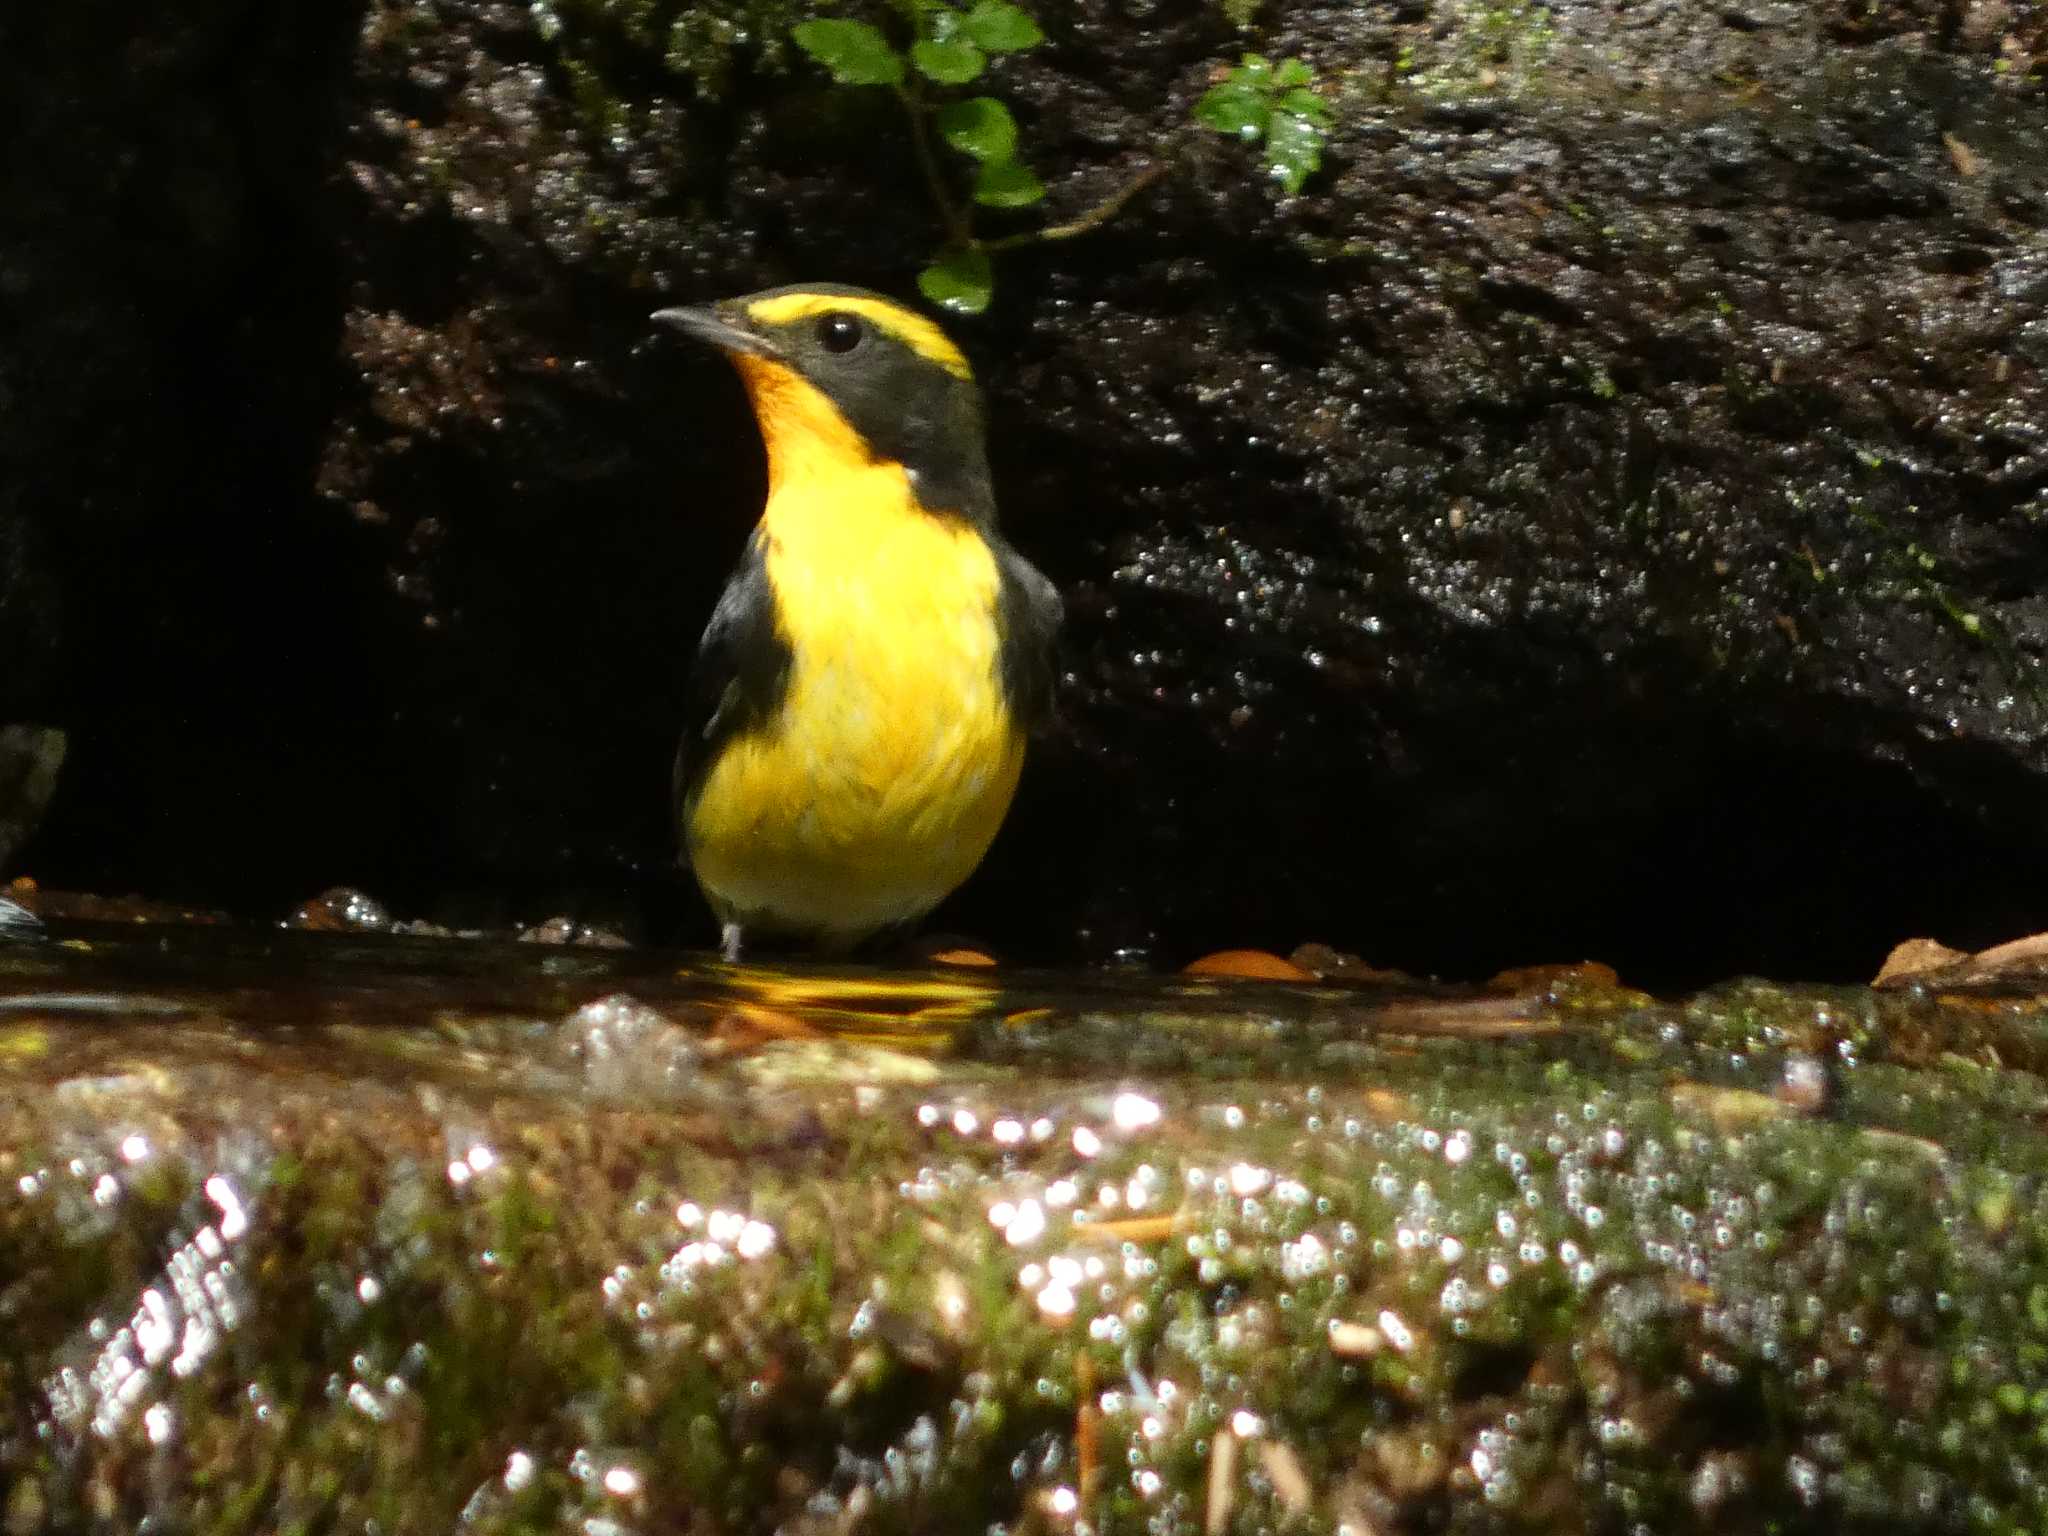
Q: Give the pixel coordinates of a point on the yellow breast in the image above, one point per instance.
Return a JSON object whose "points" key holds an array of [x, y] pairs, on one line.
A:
{"points": [[882, 780]]}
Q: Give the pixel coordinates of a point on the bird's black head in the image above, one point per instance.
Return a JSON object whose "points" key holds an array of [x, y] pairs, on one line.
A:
{"points": [[892, 380]]}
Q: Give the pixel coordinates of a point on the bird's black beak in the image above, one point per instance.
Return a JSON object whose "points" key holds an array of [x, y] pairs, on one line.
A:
{"points": [[710, 326]]}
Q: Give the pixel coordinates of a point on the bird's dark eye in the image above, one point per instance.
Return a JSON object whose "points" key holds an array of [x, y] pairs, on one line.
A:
{"points": [[839, 332]]}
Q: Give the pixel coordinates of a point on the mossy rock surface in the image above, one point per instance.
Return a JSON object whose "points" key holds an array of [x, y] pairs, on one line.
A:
{"points": [[437, 1236]]}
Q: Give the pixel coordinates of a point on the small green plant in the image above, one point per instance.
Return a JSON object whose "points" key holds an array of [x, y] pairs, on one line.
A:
{"points": [[948, 47], [1261, 101]]}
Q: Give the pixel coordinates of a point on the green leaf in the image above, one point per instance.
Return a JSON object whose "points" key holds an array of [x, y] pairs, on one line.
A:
{"points": [[1294, 148], [1254, 69], [1233, 108], [1000, 27], [1293, 72], [949, 63], [1306, 104], [855, 53], [980, 126], [1007, 184], [960, 280]]}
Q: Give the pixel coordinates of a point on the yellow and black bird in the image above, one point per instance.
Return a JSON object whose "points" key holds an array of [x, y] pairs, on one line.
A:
{"points": [[862, 693]]}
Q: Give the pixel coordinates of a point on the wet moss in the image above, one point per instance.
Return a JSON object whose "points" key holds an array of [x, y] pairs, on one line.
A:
{"points": [[621, 56], [1479, 48], [1561, 1259]]}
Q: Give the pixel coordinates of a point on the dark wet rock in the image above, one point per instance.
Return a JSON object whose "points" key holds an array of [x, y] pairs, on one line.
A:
{"points": [[1601, 516], [2023, 279], [330, 1231], [85, 907], [31, 757], [1333, 965]]}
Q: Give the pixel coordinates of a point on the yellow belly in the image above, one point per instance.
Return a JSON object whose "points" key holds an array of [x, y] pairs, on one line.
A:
{"points": [[884, 777]]}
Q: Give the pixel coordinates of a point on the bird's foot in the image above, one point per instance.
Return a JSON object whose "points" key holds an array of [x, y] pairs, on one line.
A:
{"points": [[729, 943]]}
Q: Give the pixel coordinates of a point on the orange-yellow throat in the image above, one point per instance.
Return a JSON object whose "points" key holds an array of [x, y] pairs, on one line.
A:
{"points": [[879, 783]]}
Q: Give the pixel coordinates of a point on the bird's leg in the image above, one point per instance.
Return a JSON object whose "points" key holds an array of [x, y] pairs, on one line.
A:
{"points": [[729, 943]]}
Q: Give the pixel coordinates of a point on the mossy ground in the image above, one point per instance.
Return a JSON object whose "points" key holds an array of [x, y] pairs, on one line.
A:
{"points": [[428, 1243]]}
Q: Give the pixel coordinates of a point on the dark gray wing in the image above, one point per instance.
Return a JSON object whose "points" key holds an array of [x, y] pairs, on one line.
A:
{"points": [[1028, 612], [741, 672]]}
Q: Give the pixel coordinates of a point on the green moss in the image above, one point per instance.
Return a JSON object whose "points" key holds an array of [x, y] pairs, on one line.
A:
{"points": [[1578, 1245], [618, 55], [1480, 47]]}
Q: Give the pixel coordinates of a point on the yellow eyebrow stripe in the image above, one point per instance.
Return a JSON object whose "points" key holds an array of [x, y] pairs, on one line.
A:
{"points": [[908, 327]]}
